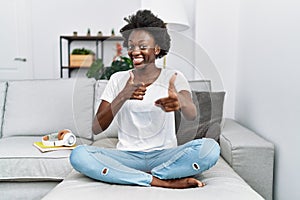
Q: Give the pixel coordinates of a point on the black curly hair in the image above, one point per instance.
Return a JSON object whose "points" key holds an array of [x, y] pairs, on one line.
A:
{"points": [[147, 21]]}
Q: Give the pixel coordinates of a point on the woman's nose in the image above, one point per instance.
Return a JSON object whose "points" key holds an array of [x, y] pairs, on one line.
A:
{"points": [[136, 51]]}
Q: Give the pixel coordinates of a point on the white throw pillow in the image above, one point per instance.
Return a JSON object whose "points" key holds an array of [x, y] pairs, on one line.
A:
{"points": [[39, 107]]}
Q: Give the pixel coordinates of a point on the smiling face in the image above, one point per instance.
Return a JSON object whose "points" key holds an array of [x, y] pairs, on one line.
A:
{"points": [[142, 49]]}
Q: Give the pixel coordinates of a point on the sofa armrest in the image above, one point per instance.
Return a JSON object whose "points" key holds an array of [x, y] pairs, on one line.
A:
{"points": [[251, 156]]}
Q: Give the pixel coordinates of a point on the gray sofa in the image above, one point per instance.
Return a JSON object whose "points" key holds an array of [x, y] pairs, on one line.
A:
{"points": [[30, 109]]}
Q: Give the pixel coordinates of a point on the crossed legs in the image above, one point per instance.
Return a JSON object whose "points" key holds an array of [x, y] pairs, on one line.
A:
{"points": [[169, 168]]}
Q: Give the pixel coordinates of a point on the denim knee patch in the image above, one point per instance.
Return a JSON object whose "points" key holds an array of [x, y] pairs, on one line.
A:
{"points": [[196, 166], [104, 171]]}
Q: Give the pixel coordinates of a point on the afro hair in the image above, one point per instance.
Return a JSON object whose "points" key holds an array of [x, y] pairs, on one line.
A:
{"points": [[147, 21]]}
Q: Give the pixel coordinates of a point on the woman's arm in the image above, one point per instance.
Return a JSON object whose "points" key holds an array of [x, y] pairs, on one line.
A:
{"points": [[187, 105]]}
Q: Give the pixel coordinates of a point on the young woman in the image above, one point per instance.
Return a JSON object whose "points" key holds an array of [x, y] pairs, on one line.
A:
{"points": [[142, 101]]}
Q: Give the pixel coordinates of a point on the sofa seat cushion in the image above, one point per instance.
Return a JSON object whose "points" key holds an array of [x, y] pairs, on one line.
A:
{"points": [[222, 183], [20, 160], [13, 190]]}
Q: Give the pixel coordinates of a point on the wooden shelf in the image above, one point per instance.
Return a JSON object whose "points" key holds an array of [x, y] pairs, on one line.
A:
{"points": [[74, 67], [91, 38], [70, 39]]}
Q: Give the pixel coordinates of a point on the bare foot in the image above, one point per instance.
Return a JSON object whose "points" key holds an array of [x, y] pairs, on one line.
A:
{"points": [[177, 183]]}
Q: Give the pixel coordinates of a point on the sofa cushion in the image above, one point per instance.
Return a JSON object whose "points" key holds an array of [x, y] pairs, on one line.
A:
{"points": [[25, 190], [200, 85], [20, 160], [40, 107], [3, 86], [221, 183], [208, 121]]}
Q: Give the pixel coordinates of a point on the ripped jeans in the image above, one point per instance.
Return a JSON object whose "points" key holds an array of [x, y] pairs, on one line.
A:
{"points": [[138, 168]]}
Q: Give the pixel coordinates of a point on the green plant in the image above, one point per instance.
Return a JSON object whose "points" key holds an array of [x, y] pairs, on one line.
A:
{"points": [[96, 69], [120, 64], [82, 51]]}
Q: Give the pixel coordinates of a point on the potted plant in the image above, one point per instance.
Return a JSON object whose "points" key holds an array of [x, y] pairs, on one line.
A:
{"points": [[98, 71], [121, 64], [82, 57]]}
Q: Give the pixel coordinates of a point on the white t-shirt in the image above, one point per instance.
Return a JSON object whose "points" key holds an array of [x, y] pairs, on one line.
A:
{"points": [[142, 126]]}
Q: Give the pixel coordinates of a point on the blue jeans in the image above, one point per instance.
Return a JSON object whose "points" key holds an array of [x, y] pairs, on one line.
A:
{"points": [[137, 168]]}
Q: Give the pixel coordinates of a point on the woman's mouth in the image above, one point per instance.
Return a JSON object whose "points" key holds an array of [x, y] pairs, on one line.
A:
{"points": [[137, 61]]}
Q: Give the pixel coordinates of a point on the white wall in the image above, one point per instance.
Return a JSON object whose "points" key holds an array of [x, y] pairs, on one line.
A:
{"points": [[268, 93], [181, 54], [217, 34]]}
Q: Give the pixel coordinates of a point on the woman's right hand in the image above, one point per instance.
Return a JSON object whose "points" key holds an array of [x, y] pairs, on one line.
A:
{"points": [[107, 111], [134, 90]]}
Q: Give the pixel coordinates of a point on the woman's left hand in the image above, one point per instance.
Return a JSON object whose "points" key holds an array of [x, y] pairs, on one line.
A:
{"points": [[170, 103]]}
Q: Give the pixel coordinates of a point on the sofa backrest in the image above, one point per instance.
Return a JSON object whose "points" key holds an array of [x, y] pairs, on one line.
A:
{"points": [[3, 86], [39, 107]]}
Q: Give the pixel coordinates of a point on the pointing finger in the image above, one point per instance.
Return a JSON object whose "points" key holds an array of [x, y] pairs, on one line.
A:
{"points": [[172, 84], [131, 77]]}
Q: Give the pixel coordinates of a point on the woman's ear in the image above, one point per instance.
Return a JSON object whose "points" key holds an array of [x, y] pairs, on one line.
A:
{"points": [[157, 49]]}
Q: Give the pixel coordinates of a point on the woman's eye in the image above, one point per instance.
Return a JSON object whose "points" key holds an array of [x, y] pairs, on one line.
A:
{"points": [[143, 47], [140, 47], [130, 47]]}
